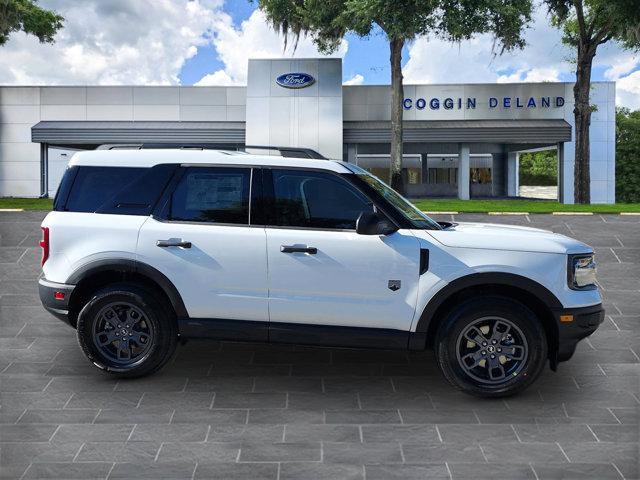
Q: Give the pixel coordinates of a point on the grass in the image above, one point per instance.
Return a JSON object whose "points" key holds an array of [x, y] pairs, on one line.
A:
{"points": [[26, 203], [531, 206], [428, 205]]}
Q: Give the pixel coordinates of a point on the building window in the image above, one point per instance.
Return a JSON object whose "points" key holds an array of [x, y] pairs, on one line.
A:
{"points": [[383, 174], [413, 176], [443, 175], [480, 175]]}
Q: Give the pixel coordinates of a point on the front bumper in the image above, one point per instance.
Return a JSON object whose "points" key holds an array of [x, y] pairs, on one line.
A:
{"points": [[585, 321], [57, 305]]}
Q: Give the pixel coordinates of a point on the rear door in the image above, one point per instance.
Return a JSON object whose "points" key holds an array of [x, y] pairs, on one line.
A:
{"points": [[203, 240]]}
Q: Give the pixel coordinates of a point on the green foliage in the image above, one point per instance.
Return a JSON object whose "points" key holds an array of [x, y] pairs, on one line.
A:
{"points": [[539, 168], [627, 155], [327, 21], [25, 203], [585, 22], [529, 206], [28, 17]]}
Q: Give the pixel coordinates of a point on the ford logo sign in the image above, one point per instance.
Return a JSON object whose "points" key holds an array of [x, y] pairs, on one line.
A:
{"points": [[295, 80]]}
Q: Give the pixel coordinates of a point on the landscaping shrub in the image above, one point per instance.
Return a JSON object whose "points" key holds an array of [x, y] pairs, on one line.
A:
{"points": [[539, 168], [627, 156]]}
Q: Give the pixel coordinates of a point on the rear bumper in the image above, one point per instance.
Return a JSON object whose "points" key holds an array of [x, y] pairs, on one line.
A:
{"points": [[58, 307], [586, 320]]}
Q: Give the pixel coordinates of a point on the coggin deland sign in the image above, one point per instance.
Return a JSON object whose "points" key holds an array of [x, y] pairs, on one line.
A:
{"points": [[302, 80], [469, 103]]}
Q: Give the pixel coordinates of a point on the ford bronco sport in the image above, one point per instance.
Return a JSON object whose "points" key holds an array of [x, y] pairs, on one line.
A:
{"points": [[146, 247]]}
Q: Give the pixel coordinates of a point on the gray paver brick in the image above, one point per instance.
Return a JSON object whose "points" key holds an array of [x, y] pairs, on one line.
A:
{"points": [[306, 412]]}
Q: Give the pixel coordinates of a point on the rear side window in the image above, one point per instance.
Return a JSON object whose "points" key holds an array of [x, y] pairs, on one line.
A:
{"points": [[93, 186], [212, 195]]}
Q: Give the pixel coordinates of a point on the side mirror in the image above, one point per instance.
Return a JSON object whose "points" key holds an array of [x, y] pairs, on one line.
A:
{"points": [[369, 223]]}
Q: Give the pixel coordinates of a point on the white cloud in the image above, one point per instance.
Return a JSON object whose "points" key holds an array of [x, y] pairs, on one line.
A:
{"points": [[436, 61], [357, 79], [113, 42], [531, 75], [545, 58], [253, 39], [622, 65], [628, 91], [627, 80], [219, 77]]}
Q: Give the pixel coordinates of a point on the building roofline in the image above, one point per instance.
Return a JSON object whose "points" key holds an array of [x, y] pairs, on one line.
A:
{"points": [[343, 86]]}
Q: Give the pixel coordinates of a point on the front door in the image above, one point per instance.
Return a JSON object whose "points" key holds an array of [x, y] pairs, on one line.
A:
{"points": [[321, 272], [204, 243]]}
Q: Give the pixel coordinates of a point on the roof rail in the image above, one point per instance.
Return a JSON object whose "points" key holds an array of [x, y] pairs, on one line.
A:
{"points": [[293, 152], [119, 146], [147, 146]]}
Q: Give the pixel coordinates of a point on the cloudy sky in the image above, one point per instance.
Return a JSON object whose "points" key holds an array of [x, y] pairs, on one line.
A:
{"points": [[208, 42]]}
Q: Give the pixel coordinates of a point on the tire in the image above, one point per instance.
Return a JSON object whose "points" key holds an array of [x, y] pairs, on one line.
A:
{"points": [[134, 313], [485, 319]]}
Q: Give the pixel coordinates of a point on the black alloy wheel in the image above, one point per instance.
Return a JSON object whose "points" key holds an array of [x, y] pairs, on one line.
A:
{"points": [[491, 346], [492, 349], [122, 333], [128, 330]]}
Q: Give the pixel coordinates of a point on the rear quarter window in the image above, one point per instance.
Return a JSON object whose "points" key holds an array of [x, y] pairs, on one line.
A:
{"points": [[93, 186]]}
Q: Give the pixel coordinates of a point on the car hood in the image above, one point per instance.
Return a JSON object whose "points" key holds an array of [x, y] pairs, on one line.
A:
{"points": [[507, 237]]}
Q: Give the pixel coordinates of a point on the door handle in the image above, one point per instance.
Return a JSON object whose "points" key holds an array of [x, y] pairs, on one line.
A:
{"points": [[294, 249], [173, 243]]}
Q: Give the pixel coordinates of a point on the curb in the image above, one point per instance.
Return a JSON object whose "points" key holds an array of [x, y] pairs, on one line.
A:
{"points": [[630, 213], [11, 209], [571, 213], [441, 213], [508, 213]]}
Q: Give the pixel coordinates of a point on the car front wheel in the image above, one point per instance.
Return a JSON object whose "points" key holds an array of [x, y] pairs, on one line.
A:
{"points": [[491, 347], [125, 329]]}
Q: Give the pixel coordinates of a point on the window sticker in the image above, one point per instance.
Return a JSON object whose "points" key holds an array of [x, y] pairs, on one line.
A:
{"points": [[210, 191]]}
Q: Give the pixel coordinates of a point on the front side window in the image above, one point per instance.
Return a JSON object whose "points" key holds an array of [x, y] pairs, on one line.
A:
{"points": [[212, 195], [401, 204], [315, 200]]}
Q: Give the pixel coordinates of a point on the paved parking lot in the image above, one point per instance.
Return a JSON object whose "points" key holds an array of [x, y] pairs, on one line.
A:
{"points": [[224, 410]]}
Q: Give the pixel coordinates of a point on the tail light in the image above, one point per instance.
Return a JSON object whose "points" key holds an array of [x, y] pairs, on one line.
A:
{"points": [[44, 243]]}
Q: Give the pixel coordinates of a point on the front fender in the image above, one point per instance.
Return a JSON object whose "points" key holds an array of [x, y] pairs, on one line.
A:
{"points": [[479, 279]]}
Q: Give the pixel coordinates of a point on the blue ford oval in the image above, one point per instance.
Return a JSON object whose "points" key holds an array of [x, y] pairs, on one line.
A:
{"points": [[295, 80]]}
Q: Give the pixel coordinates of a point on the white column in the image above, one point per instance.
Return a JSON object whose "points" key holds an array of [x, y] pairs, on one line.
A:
{"points": [[566, 152], [352, 153], [513, 166], [463, 171]]}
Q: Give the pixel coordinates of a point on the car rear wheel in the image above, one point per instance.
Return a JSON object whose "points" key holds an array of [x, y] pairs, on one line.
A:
{"points": [[491, 347], [126, 330]]}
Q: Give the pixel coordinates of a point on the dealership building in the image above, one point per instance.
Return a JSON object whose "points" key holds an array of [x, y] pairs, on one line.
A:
{"points": [[460, 140]]}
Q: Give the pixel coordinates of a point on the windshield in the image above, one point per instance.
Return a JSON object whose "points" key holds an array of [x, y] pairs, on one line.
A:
{"points": [[408, 209]]}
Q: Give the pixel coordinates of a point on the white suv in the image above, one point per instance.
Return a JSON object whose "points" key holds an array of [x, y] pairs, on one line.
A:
{"points": [[148, 246]]}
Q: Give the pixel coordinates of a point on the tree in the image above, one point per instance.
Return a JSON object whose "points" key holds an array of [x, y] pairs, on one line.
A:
{"points": [[627, 156], [539, 168], [327, 21], [28, 17], [587, 24]]}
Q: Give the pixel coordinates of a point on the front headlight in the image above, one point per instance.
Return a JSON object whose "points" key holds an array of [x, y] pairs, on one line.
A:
{"points": [[581, 272]]}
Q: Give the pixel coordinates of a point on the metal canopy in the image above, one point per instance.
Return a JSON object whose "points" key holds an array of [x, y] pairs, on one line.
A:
{"points": [[436, 131], [453, 131], [96, 133]]}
